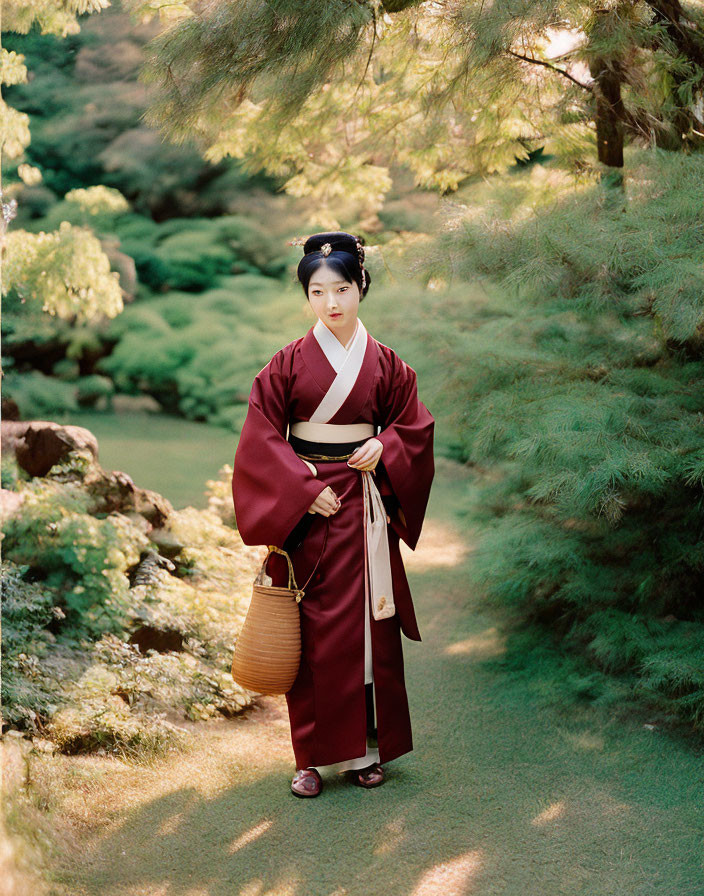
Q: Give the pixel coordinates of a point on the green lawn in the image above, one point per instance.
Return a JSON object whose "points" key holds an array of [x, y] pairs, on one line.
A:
{"points": [[170, 455]]}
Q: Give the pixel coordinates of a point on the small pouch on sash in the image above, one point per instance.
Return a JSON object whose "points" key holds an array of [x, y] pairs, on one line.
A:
{"points": [[377, 561]]}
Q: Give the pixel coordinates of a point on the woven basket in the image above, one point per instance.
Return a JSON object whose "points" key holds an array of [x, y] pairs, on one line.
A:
{"points": [[268, 649]]}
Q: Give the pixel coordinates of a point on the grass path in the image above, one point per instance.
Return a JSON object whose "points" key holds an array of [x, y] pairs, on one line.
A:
{"points": [[505, 792]]}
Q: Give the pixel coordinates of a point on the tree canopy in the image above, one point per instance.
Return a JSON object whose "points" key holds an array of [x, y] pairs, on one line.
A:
{"points": [[331, 95]]}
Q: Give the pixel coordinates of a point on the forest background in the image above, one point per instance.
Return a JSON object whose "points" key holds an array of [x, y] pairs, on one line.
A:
{"points": [[529, 184]]}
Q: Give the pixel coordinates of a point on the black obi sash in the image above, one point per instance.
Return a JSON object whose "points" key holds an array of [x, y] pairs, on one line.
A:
{"points": [[315, 452], [324, 450]]}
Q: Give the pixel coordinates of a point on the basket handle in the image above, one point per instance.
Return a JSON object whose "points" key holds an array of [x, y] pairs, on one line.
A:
{"points": [[291, 577]]}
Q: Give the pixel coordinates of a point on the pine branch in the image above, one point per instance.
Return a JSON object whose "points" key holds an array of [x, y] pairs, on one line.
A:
{"points": [[552, 67], [687, 40]]}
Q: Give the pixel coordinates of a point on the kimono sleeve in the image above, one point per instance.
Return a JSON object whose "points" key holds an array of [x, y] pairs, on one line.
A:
{"points": [[272, 487], [407, 459]]}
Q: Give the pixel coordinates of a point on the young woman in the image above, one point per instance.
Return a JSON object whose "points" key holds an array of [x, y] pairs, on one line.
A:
{"points": [[334, 432]]}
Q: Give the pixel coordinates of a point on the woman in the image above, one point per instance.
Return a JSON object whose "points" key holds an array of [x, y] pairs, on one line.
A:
{"points": [[335, 425]]}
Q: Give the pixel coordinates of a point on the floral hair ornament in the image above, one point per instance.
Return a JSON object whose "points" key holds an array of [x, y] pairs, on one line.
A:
{"points": [[326, 249], [360, 253]]}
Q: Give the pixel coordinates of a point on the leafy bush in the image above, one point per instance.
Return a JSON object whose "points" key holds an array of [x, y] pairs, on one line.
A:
{"points": [[106, 641], [80, 557], [567, 325], [40, 397], [199, 359]]}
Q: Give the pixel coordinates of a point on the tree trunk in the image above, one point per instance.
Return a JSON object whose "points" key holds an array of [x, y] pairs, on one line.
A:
{"points": [[609, 113]]}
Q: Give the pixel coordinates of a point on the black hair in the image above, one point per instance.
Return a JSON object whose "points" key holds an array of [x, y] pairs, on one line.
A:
{"points": [[346, 258]]}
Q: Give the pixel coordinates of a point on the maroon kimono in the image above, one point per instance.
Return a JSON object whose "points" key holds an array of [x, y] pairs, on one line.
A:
{"points": [[272, 490]]}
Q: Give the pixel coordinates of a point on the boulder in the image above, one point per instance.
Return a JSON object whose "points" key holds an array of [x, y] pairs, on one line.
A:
{"points": [[39, 444]]}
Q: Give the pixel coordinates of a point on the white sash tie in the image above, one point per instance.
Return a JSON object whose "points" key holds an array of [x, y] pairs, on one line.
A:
{"points": [[378, 581]]}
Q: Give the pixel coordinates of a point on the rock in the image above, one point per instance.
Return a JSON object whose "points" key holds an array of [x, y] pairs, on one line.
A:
{"points": [[115, 491], [166, 542], [153, 506], [39, 444], [146, 571]]}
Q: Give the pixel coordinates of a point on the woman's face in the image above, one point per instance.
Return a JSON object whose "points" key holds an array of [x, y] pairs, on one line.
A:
{"points": [[334, 300]]}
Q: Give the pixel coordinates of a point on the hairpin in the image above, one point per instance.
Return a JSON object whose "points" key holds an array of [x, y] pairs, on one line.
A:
{"points": [[326, 249]]}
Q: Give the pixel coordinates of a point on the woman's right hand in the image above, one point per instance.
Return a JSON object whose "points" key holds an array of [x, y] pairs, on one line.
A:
{"points": [[326, 503]]}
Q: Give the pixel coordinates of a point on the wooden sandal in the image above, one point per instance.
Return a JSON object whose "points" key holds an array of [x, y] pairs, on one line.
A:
{"points": [[371, 776], [306, 782]]}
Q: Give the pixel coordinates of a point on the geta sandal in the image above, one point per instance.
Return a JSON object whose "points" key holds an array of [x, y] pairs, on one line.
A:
{"points": [[371, 776], [306, 782]]}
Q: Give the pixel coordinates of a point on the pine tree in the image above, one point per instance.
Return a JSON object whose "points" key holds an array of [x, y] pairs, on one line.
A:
{"points": [[331, 95], [571, 331]]}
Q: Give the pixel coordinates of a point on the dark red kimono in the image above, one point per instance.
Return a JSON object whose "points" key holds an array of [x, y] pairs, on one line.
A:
{"points": [[272, 490]]}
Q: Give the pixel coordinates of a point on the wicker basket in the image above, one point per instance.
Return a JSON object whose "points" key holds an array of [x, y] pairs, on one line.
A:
{"points": [[268, 649]]}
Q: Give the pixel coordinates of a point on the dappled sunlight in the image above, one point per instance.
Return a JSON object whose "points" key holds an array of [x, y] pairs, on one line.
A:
{"points": [[585, 740], [244, 751], [509, 789], [391, 836], [551, 813], [451, 878], [584, 813], [484, 644], [439, 545], [607, 807], [171, 824], [251, 835]]}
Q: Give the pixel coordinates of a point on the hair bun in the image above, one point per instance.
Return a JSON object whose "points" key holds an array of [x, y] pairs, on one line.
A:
{"points": [[339, 240]]}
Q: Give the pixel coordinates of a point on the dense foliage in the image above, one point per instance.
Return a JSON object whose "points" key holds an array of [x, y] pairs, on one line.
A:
{"points": [[569, 326], [106, 642]]}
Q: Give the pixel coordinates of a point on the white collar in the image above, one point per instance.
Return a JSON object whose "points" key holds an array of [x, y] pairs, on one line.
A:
{"points": [[347, 366], [334, 350]]}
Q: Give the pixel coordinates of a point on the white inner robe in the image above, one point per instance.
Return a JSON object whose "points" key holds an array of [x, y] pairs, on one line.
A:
{"points": [[337, 354]]}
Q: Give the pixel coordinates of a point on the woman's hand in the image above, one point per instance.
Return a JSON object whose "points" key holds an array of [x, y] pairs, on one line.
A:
{"points": [[366, 456], [326, 503]]}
